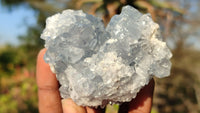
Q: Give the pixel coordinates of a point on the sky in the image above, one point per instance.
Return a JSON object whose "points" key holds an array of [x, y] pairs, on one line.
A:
{"points": [[15, 23]]}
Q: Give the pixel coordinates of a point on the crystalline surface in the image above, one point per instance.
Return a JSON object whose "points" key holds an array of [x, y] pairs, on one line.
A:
{"points": [[97, 65]]}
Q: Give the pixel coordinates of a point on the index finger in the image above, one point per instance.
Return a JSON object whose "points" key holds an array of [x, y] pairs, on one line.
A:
{"points": [[48, 93]]}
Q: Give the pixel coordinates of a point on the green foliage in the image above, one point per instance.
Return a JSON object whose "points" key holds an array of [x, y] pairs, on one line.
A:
{"points": [[31, 44], [153, 110], [10, 57], [11, 2], [112, 108], [19, 95], [8, 105]]}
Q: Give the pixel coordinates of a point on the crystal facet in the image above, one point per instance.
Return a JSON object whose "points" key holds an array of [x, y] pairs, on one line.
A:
{"points": [[97, 66]]}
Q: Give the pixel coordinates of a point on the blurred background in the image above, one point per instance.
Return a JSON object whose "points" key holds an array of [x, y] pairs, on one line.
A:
{"points": [[22, 21]]}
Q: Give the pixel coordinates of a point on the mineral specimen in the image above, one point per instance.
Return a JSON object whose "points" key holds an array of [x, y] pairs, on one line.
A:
{"points": [[96, 65]]}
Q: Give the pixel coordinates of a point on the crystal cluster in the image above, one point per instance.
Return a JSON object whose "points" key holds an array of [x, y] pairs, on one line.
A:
{"points": [[97, 65]]}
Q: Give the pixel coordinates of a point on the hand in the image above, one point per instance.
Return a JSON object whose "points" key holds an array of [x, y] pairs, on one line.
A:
{"points": [[50, 100]]}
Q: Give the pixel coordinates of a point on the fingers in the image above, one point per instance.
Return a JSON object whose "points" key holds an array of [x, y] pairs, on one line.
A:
{"points": [[48, 93], [143, 102], [71, 107]]}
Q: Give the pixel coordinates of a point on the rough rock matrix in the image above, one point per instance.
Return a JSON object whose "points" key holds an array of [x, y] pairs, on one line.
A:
{"points": [[97, 65]]}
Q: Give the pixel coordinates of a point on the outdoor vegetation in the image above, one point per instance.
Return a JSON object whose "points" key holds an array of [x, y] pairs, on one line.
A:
{"points": [[180, 24]]}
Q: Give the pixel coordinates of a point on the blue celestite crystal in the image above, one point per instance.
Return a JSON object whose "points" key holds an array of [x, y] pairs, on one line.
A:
{"points": [[97, 65]]}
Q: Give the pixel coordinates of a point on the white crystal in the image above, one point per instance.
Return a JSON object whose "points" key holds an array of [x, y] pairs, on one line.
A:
{"points": [[96, 65]]}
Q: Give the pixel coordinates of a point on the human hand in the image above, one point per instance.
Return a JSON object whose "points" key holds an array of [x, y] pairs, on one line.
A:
{"points": [[50, 100]]}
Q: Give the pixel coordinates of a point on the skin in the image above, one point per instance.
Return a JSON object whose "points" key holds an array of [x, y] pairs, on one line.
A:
{"points": [[51, 102]]}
